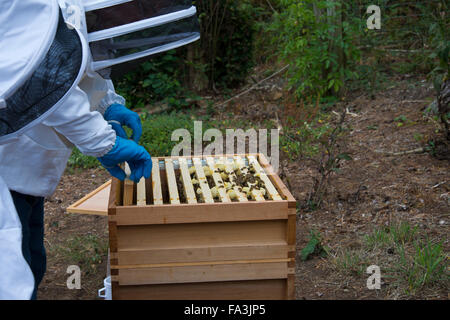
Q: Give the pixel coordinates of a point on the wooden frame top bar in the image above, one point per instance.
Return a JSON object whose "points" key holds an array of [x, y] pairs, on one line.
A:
{"points": [[277, 191]]}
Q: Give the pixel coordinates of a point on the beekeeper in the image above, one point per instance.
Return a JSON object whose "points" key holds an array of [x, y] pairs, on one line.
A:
{"points": [[53, 96]]}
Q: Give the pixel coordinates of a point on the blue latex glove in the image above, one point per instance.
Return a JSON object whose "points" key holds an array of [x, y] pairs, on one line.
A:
{"points": [[118, 115], [137, 157]]}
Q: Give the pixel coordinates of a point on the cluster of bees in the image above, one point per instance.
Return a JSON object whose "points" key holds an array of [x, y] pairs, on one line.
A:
{"points": [[246, 180]]}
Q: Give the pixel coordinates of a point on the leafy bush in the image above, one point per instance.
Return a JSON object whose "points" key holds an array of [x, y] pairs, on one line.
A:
{"points": [[314, 246], [154, 80], [440, 43], [79, 160], [223, 56], [304, 139], [320, 48], [157, 131], [227, 37]]}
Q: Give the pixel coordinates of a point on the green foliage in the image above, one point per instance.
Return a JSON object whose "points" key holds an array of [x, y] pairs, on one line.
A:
{"points": [[426, 266], [431, 147], [85, 251], [378, 238], [79, 160], [440, 43], [394, 235], [403, 232], [408, 262], [157, 132], [314, 246], [371, 78], [418, 137], [227, 40], [350, 262], [263, 16], [313, 135], [154, 80], [320, 49], [401, 120], [224, 55], [303, 139]]}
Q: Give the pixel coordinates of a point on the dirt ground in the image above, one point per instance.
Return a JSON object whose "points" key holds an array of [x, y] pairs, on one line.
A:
{"points": [[374, 189]]}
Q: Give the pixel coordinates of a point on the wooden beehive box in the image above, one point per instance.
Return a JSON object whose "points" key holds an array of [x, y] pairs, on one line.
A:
{"points": [[166, 245]]}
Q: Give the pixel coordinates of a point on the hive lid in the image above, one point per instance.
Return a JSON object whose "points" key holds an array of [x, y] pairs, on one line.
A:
{"points": [[95, 202]]}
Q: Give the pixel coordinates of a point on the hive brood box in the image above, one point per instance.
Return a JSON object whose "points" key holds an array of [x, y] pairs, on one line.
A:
{"points": [[166, 245]]}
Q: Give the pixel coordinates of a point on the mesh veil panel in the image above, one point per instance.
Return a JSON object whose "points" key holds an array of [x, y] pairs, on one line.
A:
{"points": [[133, 11], [54, 76], [145, 39]]}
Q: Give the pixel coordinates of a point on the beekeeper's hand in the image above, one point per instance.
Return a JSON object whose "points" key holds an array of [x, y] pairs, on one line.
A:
{"points": [[137, 157], [118, 115]]}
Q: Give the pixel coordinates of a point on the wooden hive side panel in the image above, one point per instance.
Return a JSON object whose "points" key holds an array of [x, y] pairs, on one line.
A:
{"points": [[201, 212], [198, 234], [115, 198], [271, 289], [204, 273], [224, 241], [242, 251]]}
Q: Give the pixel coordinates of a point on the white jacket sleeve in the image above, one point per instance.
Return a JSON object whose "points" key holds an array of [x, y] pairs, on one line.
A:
{"points": [[86, 129], [16, 278], [100, 92]]}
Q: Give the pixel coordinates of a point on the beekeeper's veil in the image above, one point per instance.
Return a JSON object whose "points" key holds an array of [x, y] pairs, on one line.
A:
{"points": [[41, 60], [124, 30], [44, 51]]}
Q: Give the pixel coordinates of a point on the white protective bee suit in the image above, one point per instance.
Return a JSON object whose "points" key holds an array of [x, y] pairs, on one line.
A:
{"points": [[33, 158], [41, 147], [52, 98], [16, 278]]}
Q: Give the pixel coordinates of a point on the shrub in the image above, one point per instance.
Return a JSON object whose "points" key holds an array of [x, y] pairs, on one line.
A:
{"points": [[227, 37], [320, 48], [154, 80]]}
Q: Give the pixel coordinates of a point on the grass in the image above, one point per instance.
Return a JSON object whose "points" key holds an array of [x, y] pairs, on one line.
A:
{"points": [[157, 133], [85, 251], [378, 238], [156, 137], [408, 261], [403, 233], [425, 265], [351, 262], [395, 234]]}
